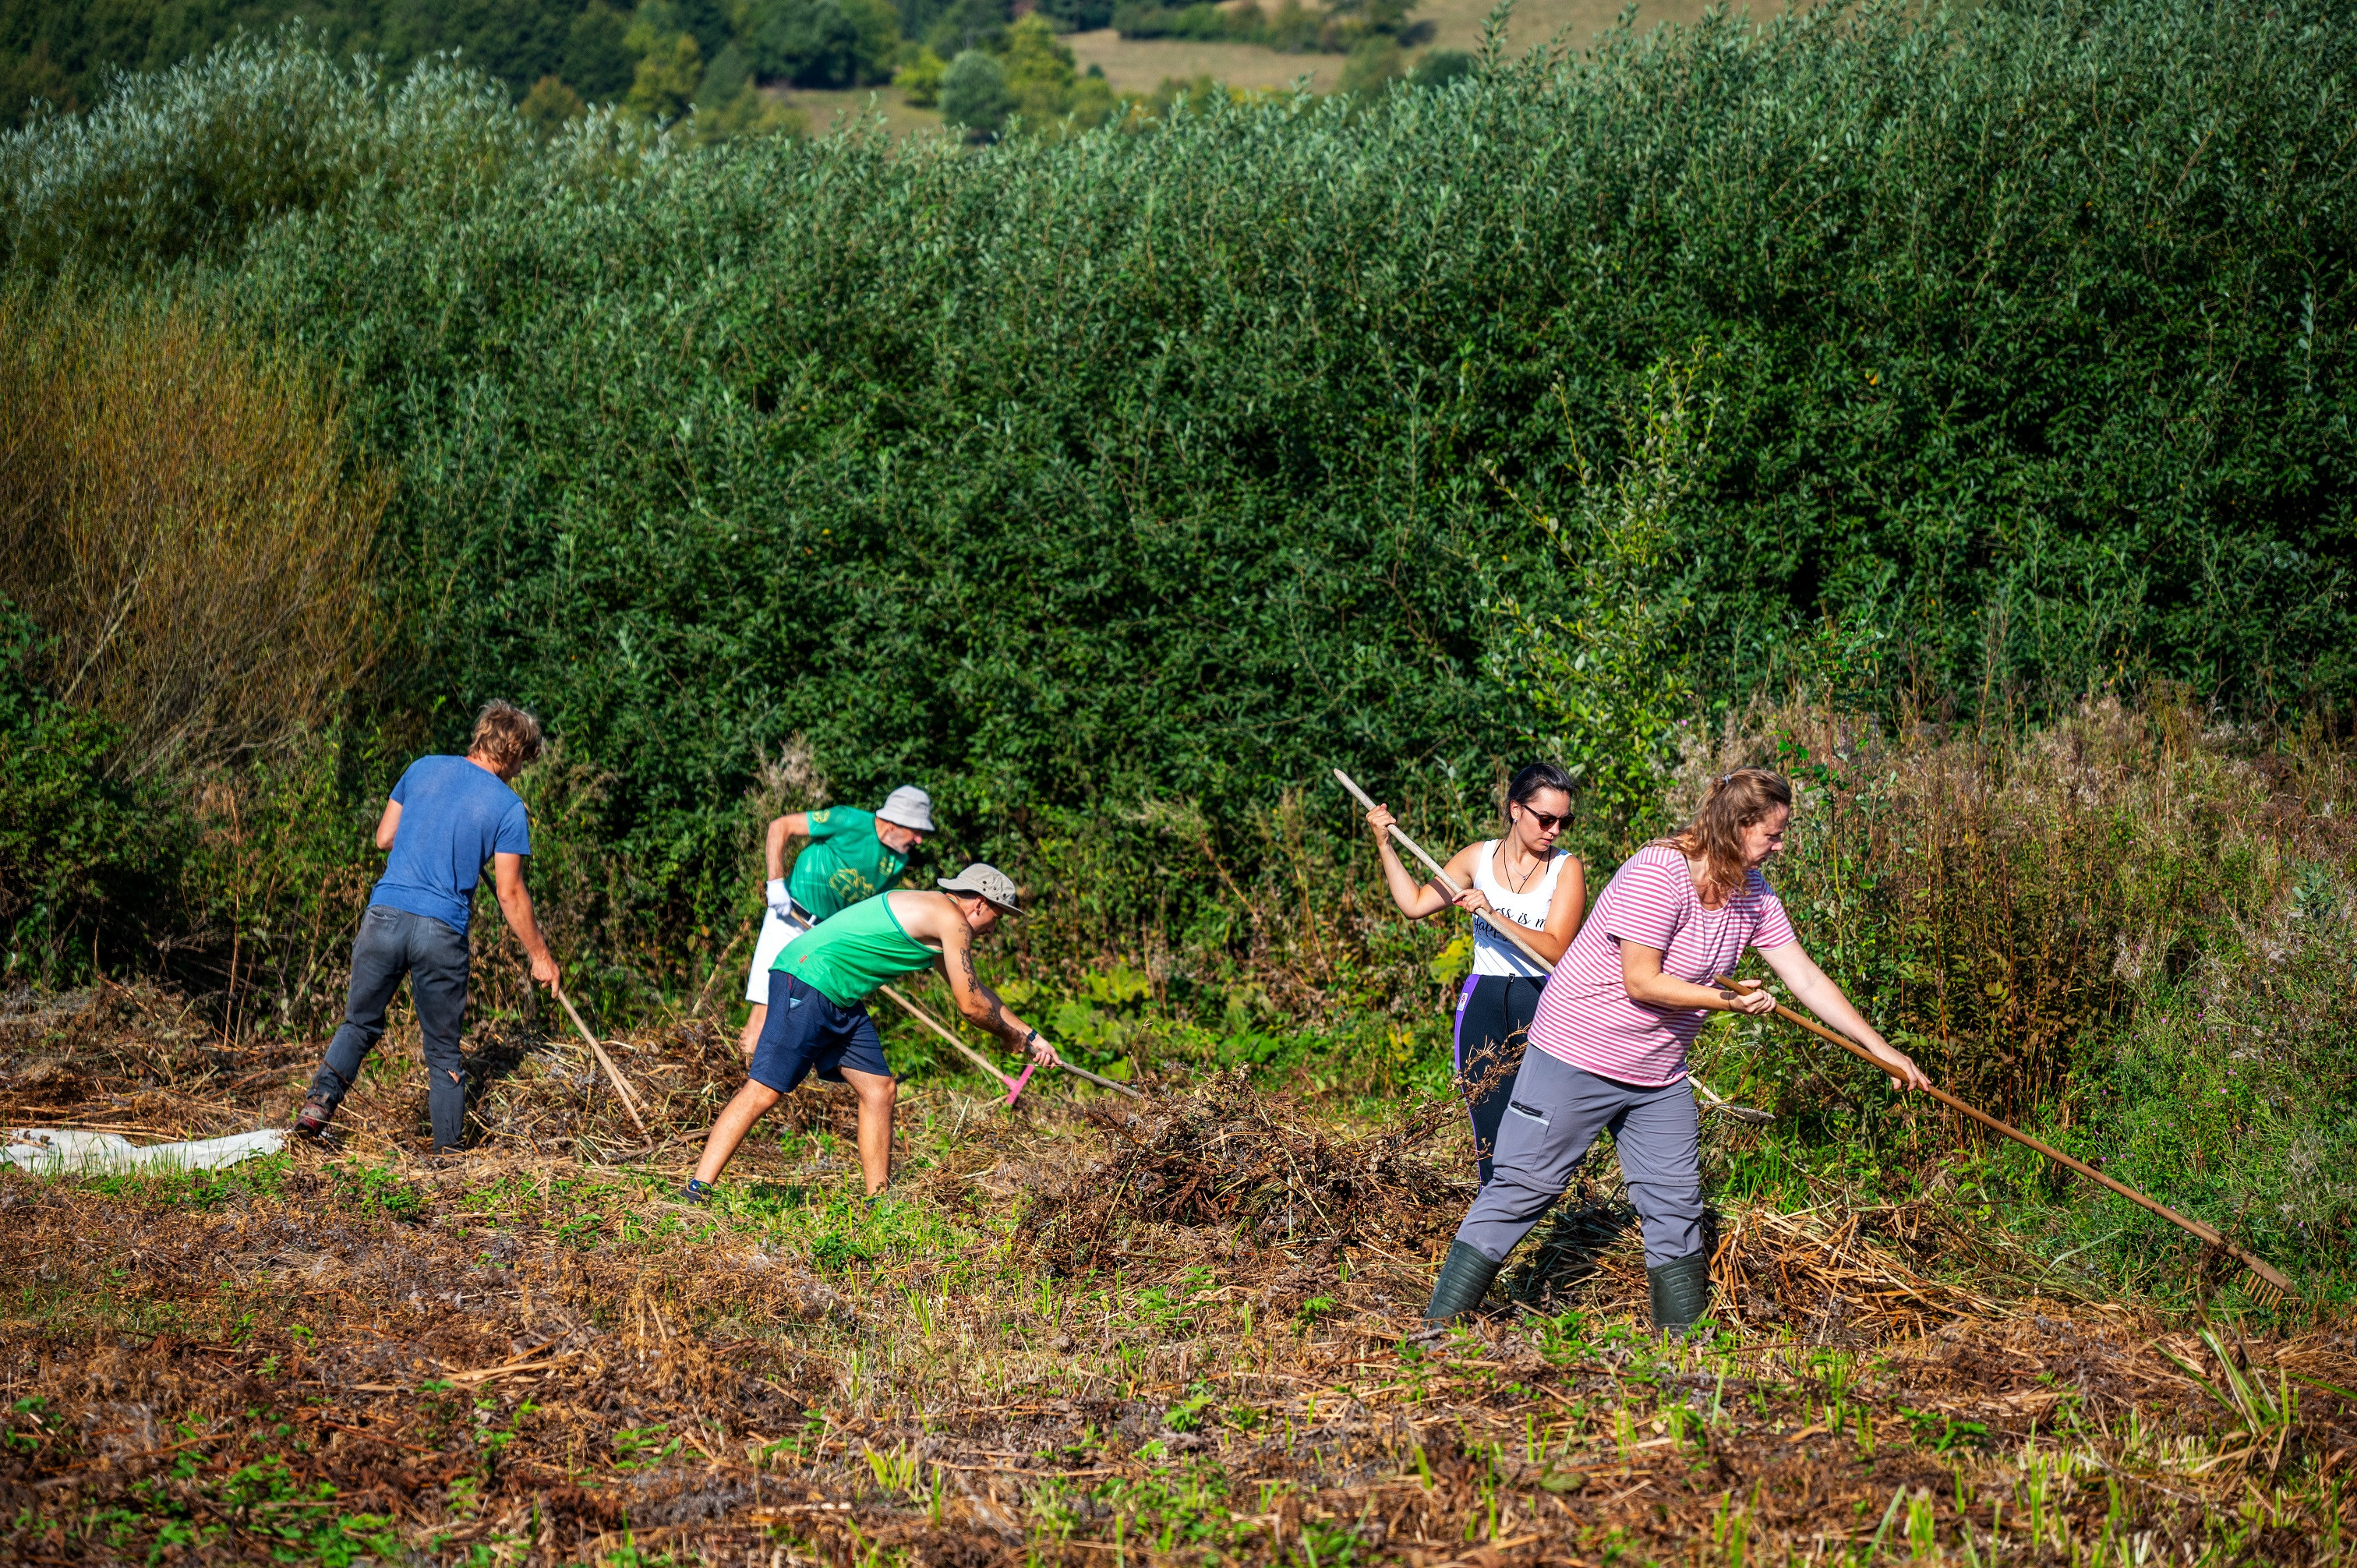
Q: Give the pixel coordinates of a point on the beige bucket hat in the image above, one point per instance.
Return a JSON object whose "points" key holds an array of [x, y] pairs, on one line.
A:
{"points": [[987, 883]]}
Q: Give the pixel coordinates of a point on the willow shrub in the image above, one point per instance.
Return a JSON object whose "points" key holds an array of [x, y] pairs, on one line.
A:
{"points": [[185, 517], [1170, 465], [1080, 478]]}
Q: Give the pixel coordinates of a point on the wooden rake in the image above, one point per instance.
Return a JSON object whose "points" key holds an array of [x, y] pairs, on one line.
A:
{"points": [[1504, 928], [621, 1084], [2274, 1285]]}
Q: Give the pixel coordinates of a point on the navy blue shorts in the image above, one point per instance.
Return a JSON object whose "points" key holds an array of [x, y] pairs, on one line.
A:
{"points": [[805, 1032]]}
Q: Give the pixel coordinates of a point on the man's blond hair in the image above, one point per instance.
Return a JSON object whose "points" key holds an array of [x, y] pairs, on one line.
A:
{"points": [[506, 735]]}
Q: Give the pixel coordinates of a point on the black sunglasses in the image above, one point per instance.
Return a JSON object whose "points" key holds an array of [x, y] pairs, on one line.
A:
{"points": [[1547, 820]]}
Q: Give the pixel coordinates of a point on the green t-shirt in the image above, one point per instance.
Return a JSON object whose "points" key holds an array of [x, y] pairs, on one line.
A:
{"points": [[848, 955], [844, 863]]}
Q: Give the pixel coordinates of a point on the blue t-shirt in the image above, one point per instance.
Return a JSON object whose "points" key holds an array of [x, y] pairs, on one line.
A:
{"points": [[454, 817]]}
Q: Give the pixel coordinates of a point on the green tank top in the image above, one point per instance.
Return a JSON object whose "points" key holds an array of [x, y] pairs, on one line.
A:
{"points": [[846, 956]]}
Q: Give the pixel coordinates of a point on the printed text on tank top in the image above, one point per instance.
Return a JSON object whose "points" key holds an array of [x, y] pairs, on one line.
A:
{"points": [[1493, 954]]}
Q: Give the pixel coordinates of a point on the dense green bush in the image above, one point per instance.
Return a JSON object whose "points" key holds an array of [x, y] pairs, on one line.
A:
{"points": [[974, 96], [63, 54], [71, 839], [189, 163], [1064, 474]]}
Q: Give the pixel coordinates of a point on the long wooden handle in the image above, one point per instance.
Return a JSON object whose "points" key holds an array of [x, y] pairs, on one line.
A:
{"points": [[1503, 927], [621, 1084], [927, 1019], [2258, 1266]]}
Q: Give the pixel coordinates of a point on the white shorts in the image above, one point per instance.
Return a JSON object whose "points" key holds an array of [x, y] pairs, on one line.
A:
{"points": [[775, 935]]}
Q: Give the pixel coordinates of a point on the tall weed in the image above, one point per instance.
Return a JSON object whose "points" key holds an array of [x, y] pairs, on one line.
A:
{"points": [[184, 516], [1600, 677], [2126, 928]]}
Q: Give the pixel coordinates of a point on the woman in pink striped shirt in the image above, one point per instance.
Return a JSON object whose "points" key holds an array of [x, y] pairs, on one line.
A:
{"points": [[1607, 1048]]}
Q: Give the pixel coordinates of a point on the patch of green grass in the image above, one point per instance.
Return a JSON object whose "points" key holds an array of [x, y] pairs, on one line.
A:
{"points": [[836, 1252], [377, 1187], [643, 1448], [1180, 1509], [260, 1503], [262, 1177]]}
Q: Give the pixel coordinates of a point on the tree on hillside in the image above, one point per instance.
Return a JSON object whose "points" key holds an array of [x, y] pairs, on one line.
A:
{"points": [[919, 76], [32, 79], [823, 43], [1076, 16], [1040, 73], [969, 24], [670, 67], [597, 61], [549, 105], [974, 95]]}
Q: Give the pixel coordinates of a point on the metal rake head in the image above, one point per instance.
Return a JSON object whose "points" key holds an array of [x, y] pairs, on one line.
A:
{"points": [[1750, 1115]]}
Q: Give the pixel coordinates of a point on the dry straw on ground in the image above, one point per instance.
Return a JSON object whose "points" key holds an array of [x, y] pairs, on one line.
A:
{"points": [[538, 1353]]}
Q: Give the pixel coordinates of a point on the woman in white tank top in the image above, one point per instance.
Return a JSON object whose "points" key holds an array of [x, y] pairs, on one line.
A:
{"points": [[1520, 877]]}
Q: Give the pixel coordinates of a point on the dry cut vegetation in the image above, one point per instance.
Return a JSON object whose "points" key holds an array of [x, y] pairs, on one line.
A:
{"points": [[1185, 1331]]}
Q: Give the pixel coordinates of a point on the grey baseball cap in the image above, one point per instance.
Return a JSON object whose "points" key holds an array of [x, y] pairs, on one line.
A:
{"points": [[986, 882], [908, 807]]}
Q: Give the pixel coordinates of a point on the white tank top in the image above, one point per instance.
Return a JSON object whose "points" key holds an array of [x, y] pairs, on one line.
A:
{"points": [[1493, 954]]}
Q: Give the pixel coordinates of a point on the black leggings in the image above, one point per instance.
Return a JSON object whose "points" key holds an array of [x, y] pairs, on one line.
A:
{"points": [[1494, 1019]]}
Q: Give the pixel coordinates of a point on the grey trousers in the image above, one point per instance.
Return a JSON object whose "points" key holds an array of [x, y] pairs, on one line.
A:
{"points": [[392, 943], [1554, 1113]]}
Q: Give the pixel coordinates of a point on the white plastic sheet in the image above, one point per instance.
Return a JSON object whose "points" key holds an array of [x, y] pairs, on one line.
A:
{"points": [[58, 1151]]}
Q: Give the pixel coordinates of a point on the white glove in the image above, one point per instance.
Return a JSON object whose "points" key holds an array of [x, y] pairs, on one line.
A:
{"points": [[780, 900]]}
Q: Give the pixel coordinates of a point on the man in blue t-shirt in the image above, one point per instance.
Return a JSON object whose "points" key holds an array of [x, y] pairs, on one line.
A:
{"points": [[448, 816]]}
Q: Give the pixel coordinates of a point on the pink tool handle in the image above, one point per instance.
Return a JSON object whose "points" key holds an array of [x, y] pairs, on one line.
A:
{"points": [[1030, 1068]]}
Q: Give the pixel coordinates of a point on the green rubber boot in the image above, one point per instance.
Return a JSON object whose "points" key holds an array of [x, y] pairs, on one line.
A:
{"points": [[1680, 1290], [1464, 1281]]}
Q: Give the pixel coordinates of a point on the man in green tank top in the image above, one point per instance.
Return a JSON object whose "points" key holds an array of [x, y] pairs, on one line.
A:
{"points": [[817, 1021]]}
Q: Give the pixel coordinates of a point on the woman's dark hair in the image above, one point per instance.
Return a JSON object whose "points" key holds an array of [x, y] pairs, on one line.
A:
{"points": [[1538, 775]]}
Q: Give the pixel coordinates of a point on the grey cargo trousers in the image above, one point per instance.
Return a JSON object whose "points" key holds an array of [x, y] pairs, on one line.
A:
{"points": [[1552, 1116]]}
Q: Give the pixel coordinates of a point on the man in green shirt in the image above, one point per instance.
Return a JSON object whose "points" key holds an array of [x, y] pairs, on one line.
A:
{"points": [[816, 1020], [853, 855]]}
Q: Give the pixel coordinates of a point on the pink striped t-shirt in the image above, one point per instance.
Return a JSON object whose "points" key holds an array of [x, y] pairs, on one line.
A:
{"points": [[1585, 1015]]}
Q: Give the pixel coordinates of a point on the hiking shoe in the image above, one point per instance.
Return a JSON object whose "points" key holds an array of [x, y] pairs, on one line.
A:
{"points": [[695, 1192], [312, 1120]]}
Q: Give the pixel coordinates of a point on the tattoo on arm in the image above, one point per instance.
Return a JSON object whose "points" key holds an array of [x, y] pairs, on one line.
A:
{"points": [[996, 1019]]}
